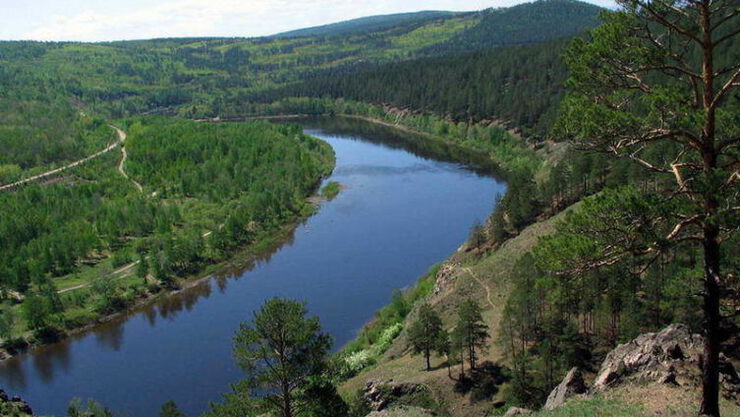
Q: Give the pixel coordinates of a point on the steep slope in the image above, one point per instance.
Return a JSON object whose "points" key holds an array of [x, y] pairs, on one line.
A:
{"points": [[462, 277]]}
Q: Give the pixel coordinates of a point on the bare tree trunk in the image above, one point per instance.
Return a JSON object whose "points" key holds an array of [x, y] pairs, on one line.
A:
{"points": [[710, 365]]}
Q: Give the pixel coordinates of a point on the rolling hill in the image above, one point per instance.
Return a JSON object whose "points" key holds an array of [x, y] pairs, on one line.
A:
{"points": [[370, 24]]}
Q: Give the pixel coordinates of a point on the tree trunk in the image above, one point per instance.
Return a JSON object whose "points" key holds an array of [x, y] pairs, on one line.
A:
{"points": [[426, 356], [710, 365]]}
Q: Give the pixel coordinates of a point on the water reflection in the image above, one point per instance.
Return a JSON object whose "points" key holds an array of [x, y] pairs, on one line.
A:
{"points": [[110, 337], [54, 360], [345, 261]]}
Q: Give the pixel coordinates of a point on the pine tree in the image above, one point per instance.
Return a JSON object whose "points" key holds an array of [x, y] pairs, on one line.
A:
{"points": [[280, 352], [471, 334], [169, 409], [426, 333], [653, 77]]}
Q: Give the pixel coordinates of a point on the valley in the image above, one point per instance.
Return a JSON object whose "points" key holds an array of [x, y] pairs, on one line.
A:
{"points": [[519, 210]]}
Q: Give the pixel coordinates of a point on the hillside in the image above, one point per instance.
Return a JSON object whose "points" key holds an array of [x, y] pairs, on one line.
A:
{"points": [[628, 227], [527, 23], [365, 25], [207, 77]]}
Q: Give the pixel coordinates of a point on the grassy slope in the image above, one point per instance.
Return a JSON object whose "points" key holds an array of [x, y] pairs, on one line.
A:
{"points": [[492, 270], [638, 401]]}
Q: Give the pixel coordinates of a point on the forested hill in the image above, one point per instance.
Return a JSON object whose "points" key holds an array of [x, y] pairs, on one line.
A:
{"points": [[524, 24], [208, 77], [518, 86], [365, 25]]}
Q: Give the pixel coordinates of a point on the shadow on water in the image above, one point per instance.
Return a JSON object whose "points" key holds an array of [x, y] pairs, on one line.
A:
{"points": [[70, 361], [110, 334], [391, 138], [48, 359]]}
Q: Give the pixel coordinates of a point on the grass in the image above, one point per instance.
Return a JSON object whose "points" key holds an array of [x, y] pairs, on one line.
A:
{"points": [[492, 269], [596, 406]]}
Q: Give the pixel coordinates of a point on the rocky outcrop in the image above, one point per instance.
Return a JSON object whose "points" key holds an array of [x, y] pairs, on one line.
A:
{"points": [[13, 406], [671, 356], [380, 395], [516, 411], [445, 277], [572, 385]]}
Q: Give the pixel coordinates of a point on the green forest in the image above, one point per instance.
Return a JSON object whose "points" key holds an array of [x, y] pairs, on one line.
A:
{"points": [[616, 132], [64, 238]]}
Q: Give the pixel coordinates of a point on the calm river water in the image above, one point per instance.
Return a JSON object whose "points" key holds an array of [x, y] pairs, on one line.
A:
{"points": [[406, 207]]}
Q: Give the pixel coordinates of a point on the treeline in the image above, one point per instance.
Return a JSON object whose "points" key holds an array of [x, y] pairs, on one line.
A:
{"points": [[518, 86], [36, 135], [48, 229], [165, 76], [208, 189]]}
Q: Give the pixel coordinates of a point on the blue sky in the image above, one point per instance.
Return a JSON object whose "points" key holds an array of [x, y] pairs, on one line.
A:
{"points": [[105, 20]]}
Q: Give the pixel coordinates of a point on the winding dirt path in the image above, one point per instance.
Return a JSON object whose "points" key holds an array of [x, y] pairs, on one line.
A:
{"points": [[482, 284], [124, 156], [121, 138]]}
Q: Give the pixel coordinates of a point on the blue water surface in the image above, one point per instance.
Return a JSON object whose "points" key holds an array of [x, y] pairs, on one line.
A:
{"points": [[399, 214]]}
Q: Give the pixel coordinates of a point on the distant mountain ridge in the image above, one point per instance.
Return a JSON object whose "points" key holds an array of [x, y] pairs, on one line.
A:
{"points": [[370, 24], [527, 23]]}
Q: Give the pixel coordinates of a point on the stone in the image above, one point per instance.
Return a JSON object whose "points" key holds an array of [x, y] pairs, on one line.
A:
{"points": [[651, 356], [572, 384], [670, 356], [516, 411], [380, 395]]}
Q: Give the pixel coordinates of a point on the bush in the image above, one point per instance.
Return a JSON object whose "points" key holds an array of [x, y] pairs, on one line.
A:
{"points": [[15, 345], [331, 190], [79, 317], [47, 334]]}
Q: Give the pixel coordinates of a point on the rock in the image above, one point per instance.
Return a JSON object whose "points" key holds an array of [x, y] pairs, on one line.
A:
{"points": [[651, 355], [671, 356], [445, 276], [14, 405], [572, 384], [516, 411], [379, 395]]}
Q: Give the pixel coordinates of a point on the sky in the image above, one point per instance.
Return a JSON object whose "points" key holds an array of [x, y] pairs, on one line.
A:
{"points": [[107, 20]]}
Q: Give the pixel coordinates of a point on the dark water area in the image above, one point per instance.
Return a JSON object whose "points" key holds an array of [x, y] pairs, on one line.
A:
{"points": [[407, 205]]}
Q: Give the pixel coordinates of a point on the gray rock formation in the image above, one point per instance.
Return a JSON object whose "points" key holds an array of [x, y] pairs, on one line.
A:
{"points": [[671, 356], [572, 384]]}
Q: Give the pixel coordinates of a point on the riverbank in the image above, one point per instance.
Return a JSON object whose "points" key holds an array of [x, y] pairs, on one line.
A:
{"points": [[242, 258]]}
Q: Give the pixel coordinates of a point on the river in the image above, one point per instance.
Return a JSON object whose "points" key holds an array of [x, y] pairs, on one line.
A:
{"points": [[406, 206]]}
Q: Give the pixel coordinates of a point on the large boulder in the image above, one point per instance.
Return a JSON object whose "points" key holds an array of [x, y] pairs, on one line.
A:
{"points": [[671, 356], [572, 384]]}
